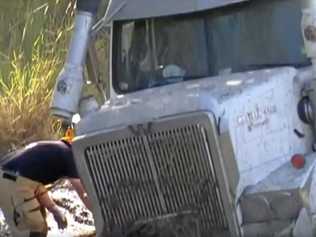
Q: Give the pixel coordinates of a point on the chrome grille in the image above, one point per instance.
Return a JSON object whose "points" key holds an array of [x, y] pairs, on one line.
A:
{"points": [[126, 191], [168, 170]]}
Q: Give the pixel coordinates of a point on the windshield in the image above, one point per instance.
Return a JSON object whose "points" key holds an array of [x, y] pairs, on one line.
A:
{"points": [[246, 36]]}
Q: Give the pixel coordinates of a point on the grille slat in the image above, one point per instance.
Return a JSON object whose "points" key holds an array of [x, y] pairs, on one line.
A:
{"points": [[186, 191], [132, 170], [115, 198], [172, 152], [168, 170], [92, 166], [214, 196], [109, 180], [124, 185], [211, 171], [165, 179], [140, 176], [100, 168], [186, 145], [151, 193], [209, 214]]}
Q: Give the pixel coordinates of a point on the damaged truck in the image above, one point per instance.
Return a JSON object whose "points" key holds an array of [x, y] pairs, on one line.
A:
{"points": [[209, 122]]}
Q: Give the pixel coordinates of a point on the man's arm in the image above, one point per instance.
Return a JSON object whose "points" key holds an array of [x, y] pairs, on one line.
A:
{"points": [[78, 186], [45, 200]]}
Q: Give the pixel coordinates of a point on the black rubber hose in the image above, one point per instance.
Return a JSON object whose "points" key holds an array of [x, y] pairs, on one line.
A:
{"points": [[88, 6]]}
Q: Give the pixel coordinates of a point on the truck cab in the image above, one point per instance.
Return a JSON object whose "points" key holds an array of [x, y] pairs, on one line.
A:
{"points": [[208, 128]]}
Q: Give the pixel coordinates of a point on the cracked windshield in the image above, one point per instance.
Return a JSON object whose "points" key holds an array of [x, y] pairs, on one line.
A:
{"points": [[162, 51]]}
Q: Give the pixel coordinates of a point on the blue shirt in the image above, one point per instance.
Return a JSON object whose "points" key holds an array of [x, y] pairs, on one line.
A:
{"points": [[44, 162]]}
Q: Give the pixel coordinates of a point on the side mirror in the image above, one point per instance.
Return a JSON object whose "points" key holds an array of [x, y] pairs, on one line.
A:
{"points": [[309, 33]]}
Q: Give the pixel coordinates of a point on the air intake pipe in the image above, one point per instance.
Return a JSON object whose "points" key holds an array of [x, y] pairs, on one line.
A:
{"points": [[69, 83]]}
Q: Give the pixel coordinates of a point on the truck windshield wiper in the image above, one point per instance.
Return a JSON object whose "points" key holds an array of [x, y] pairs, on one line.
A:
{"points": [[172, 80], [163, 81], [194, 77], [272, 65]]}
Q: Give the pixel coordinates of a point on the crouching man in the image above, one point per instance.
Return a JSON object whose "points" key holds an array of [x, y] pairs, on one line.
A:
{"points": [[24, 176]]}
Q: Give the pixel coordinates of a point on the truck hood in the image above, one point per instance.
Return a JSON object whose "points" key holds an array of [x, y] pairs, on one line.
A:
{"points": [[257, 109], [136, 9], [213, 94]]}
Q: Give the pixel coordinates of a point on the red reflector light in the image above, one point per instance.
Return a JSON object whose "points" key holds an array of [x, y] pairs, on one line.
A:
{"points": [[298, 161]]}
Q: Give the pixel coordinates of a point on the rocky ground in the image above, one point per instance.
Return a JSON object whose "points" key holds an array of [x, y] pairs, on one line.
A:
{"points": [[80, 220], [4, 230]]}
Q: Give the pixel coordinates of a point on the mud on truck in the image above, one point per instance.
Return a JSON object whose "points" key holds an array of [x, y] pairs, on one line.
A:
{"points": [[209, 124]]}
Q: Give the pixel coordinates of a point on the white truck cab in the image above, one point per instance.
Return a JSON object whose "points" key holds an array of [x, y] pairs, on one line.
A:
{"points": [[209, 127]]}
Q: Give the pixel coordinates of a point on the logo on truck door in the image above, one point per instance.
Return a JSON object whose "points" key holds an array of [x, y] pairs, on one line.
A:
{"points": [[258, 117]]}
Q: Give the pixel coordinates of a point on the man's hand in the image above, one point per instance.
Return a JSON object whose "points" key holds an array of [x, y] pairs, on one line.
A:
{"points": [[78, 186], [59, 217], [45, 200]]}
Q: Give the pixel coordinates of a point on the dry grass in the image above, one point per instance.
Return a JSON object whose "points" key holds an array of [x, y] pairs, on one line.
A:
{"points": [[24, 103], [26, 82], [33, 43]]}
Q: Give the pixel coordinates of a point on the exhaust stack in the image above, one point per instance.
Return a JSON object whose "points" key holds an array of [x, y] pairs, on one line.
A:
{"points": [[69, 83]]}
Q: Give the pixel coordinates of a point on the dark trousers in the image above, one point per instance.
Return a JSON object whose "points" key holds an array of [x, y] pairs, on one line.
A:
{"points": [[38, 234]]}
